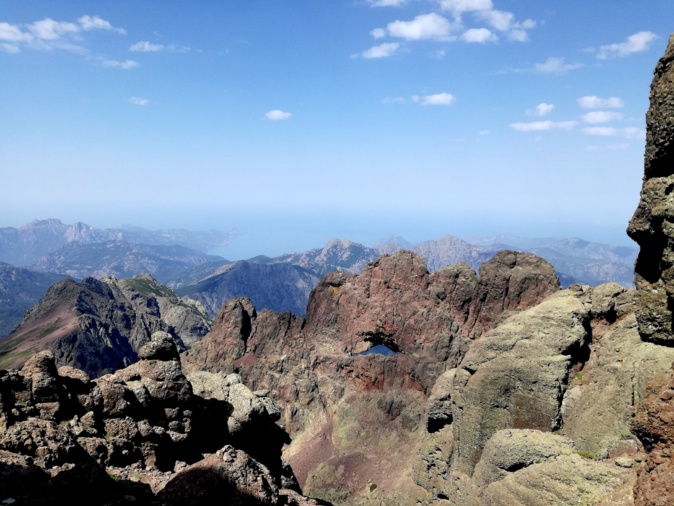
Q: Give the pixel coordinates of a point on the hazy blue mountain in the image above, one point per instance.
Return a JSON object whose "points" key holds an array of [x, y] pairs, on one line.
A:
{"points": [[575, 260], [170, 265], [25, 245], [20, 289], [277, 286]]}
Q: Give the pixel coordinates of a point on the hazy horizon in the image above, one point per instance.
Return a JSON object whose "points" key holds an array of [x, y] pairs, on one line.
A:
{"points": [[298, 121]]}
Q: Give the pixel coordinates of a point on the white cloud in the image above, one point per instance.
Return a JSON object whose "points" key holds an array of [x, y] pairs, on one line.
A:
{"points": [[145, 47], [95, 23], [593, 102], [387, 3], [478, 35], [277, 115], [535, 126], [49, 34], [459, 6], [424, 26], [601, 116], [518, 35], [603, 131], [608, 147], [484, 132], [501, 20], [634, 44], [627, 133], [436, 99], [381, 51], [12, 33], [139, 101], [483, 10], [394, 100], [439, 54], [378, 33], [126, 64], [541, 109], [48, 29], [555, 66]]}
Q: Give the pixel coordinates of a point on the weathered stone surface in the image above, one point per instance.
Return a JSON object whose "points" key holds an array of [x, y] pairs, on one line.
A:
{"points": [[601, 400], [227, 477], [652, 225], [515, 375], [567, 479], [141, 425], [510, 450]]}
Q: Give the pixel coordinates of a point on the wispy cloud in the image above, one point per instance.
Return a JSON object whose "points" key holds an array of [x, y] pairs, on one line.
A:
{"points": [[634, 44], [484, 11], [627, 133], [601, 116], [381, 51], [387, 3], [608, 147], [277, 115], [125, 65], [593, 102], [49, 34], [555, 65], [145, 46], [436, 99], [139, 101], [536, 126], [541, 109], [89, 23], [459, 6]]}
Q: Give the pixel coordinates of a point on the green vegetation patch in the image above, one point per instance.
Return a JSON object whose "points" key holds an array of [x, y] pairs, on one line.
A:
{"points": [[147, 287]]}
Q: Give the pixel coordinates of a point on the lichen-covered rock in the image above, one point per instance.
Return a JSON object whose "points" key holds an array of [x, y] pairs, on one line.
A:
{"points": [[515, 376], [600, 403], [510, 450], [567, 479]]}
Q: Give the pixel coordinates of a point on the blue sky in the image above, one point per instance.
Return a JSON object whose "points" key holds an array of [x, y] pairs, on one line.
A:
{"points": [[295, 121]]}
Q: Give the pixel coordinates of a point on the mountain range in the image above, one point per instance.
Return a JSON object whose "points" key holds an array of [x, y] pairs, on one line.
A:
{"points": [[176, 258], [499, 387]]}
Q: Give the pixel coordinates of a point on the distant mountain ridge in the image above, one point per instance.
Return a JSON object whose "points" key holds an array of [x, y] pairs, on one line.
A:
{"points": [[25, 245], [176, 259]]}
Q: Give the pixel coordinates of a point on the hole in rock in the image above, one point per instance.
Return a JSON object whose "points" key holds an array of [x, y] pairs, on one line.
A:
{"points": [[379, 349]]}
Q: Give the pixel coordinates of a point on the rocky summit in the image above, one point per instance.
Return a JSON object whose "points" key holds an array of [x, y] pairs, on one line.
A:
{"points": [[401, 386]]}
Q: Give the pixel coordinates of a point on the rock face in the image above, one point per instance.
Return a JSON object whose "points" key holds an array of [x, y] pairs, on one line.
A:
{"points": [[99, 326], [348, 410], [139, 435], [652, 225]]}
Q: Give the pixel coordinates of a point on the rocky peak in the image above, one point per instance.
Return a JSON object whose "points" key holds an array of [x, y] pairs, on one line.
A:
{"points": [[652, 225]]}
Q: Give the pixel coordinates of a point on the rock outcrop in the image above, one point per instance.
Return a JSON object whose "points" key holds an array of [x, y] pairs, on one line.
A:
{"points": [[99, 325], [652, 225], [139, 435], [350, 410]]}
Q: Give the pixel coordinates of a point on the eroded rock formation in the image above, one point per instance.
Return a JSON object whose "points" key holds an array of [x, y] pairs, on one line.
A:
{"points": [[139, 435], [350, 410]]}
